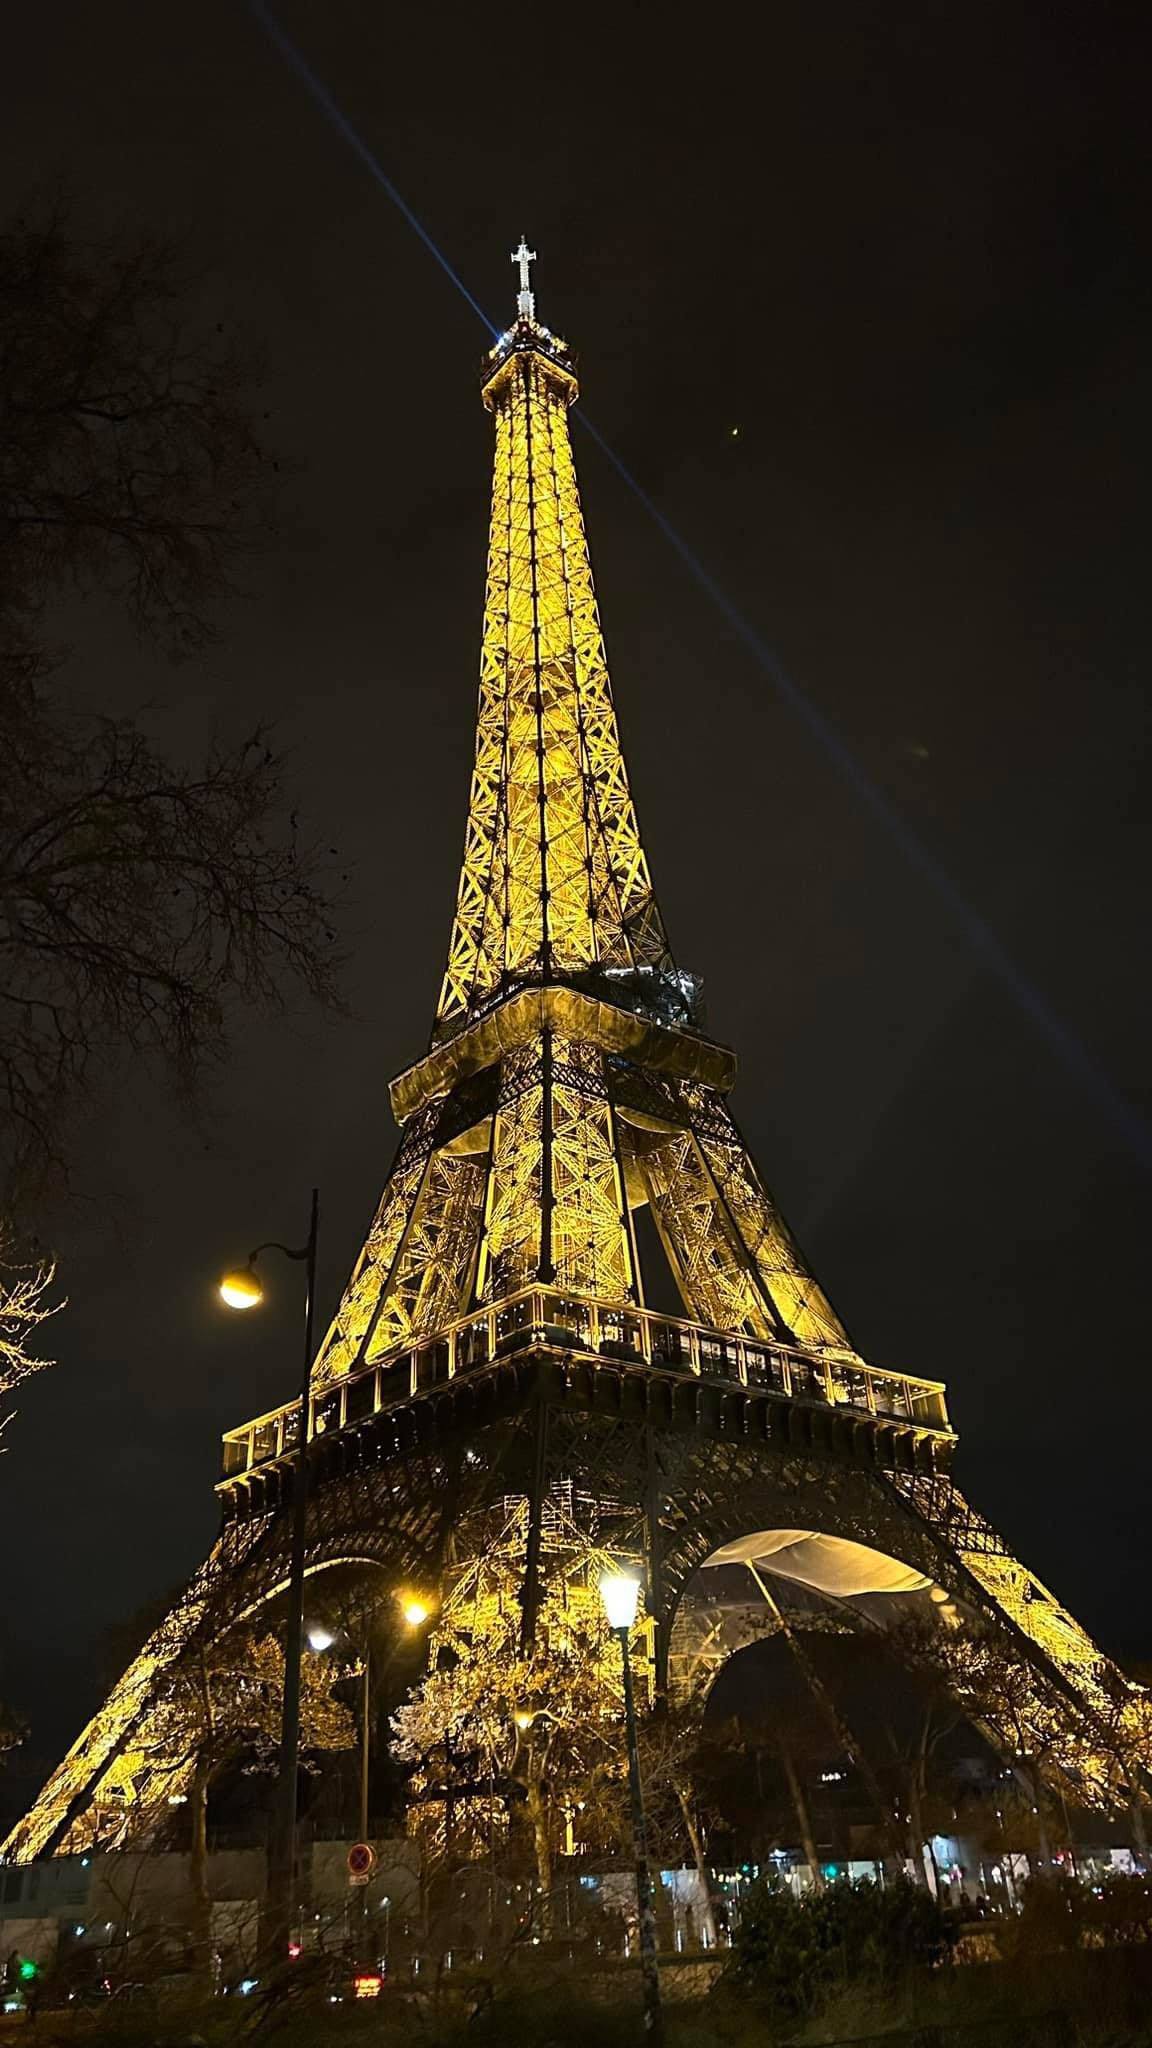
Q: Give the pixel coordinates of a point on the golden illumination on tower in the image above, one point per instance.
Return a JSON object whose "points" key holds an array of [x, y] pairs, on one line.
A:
{"points": [[554, 877], [522, 1159], [497, 1417]]}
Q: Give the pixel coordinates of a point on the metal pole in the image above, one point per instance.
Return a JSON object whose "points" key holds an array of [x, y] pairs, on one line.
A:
{"points": [[365, 1739], [282, 1886], [653, 2013], [449, 1807]]}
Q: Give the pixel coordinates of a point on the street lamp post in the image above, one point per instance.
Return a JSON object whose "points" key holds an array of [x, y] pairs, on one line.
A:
{"points": [[620, 1593], [415, 1612], [365, 1737], [321, 1639], [243, 1290], [365, 1763]]}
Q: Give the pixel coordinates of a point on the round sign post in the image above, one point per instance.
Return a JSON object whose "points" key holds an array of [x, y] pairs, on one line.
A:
{"points": [[361, 1862]]}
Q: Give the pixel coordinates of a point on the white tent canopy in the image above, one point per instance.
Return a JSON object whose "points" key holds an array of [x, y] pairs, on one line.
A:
{"points": [[829, 1564]]}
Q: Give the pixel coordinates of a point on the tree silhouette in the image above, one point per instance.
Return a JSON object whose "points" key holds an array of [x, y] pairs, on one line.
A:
{"points": [[131, 459], [24, 1306], [220, 1705], [141, 898], [503, 1742]]}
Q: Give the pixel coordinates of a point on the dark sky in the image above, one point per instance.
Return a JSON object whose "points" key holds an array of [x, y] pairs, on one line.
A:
{"points": [[899, 248]]}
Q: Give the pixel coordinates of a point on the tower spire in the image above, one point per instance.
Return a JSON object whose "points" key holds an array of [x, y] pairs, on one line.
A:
{"points": [[525, 302], [554, 883]]}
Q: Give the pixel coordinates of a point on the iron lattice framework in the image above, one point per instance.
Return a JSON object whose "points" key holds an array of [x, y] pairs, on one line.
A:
{"points": [[492, 1356], [554, 878]]}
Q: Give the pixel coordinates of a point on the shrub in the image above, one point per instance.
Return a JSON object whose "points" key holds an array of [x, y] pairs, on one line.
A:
{"points": [[1058, 1913], [1050, 1920], [1119, 1910], [791, 1954]]}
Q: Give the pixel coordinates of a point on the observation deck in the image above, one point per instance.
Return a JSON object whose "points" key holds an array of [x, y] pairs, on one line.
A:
{"points": [[527, 336], [592, 1340]]}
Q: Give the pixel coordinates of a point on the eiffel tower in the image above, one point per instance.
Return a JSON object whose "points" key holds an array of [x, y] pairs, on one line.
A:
{"points": [[492, 1351]]}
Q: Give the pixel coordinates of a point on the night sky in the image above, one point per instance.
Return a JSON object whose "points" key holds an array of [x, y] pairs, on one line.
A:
{"points": [[899, 249]]}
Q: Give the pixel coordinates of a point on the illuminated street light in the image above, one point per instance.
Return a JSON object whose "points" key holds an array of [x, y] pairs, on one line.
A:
{"points": [[241, 1288], [414, 1612], [620, 1593], [321, 1639]]}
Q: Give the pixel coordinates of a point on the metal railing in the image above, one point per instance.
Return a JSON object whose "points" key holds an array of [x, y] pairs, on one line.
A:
{"points": [[573, 1322]]}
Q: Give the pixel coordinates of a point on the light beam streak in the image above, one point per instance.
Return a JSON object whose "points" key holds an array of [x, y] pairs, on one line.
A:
{"points": [[1124, 1119], [297, 62]]}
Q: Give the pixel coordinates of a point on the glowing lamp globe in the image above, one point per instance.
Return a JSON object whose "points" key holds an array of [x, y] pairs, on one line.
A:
{"points": [[415, 1612], [241, 1289], [320, 1638], [620, 1593]]}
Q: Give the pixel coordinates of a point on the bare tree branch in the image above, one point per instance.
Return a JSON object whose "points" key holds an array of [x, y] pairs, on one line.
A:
{"points": [[24, 1286], [139, 897], [130, 460]]}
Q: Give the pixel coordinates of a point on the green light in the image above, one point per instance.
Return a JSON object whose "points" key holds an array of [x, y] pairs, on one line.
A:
{"points": [[28, 1970]]}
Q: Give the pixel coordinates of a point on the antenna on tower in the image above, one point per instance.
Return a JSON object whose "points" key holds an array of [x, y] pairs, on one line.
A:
{"points": [[525, 302]]}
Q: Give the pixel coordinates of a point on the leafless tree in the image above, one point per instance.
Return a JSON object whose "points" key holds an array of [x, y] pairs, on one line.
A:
{"points": [[140, 898], [924, 1802], [222, 1704], [24, 1304], [13, 1729], [678, 1808], [501, 1744], [1001, 1693], [1126, 1738], [131, 461]]}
